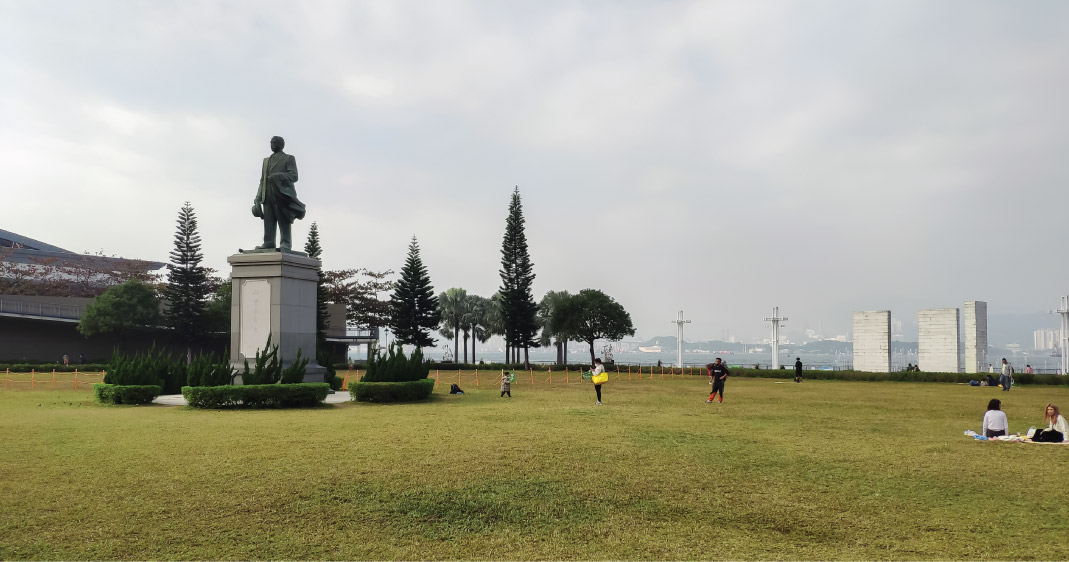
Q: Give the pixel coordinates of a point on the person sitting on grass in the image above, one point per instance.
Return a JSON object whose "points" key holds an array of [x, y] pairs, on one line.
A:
{"points": [[995, 422], [1055, 422]]}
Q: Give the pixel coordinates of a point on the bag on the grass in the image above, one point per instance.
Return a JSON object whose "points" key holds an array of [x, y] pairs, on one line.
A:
{"points": [[455, 389]]}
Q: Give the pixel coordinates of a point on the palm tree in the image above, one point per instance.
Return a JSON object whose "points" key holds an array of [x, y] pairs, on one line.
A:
{"points": [[453, 304], [494, 320], [481, 315], [554, 323]]}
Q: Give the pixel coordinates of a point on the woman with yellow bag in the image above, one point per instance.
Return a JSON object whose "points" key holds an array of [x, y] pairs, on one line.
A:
{"points": [[599, 377]]}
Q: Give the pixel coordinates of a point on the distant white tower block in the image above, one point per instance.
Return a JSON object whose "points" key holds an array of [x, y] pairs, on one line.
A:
{"points": [[975, 336], [872, 341], [937, 340]]}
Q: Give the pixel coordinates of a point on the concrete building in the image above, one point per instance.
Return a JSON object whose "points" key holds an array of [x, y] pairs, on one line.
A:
{"points": [[975, 337], [1045, 339], [938, 344], [872, 341]]}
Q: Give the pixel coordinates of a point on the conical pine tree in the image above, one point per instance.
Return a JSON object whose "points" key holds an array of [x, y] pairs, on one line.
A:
{"points": [[413, 305], [187, 287], [312, 248], [323, 354], [519, 310]]}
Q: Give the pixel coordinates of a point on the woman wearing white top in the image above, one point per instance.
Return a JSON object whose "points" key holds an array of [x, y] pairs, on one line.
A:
{"points": [[598, 369], [995, 422], [1055, 421]]}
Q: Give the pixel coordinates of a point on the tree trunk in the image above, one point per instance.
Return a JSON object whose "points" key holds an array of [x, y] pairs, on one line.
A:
{"points": [[465, 347], [560, 353], [527, 357], [591, 342], [456, 342]]}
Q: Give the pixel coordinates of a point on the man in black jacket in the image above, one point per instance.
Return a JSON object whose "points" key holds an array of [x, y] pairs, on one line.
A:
{"points": [[797, 369], [718, 373]]}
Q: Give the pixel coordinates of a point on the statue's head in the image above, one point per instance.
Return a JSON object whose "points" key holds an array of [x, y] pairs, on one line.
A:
{"points": [[277, 144]]}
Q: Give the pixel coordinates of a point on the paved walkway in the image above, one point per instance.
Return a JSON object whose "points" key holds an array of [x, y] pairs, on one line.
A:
{"points": [[179, 400]]}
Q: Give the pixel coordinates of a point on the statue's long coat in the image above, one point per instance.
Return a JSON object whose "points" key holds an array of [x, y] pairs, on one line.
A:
{"points": [[279, 192]]}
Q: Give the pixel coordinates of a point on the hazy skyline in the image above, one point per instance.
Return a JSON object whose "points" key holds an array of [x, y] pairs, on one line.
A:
{"points": [[716, 157]]}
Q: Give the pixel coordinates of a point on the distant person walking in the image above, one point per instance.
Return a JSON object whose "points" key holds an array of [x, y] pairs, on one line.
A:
{"points": [[995, 422], [718, 373], [66, 359], [1028, 369], [598, 377], [1006, 378], [798, 369]]}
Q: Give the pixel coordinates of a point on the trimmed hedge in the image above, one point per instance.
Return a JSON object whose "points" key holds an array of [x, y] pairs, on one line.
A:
{"points": [[125, 394], [297, 395], [395, 367], [405, 391]]}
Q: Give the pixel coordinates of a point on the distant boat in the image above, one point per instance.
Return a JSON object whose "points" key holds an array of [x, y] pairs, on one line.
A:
{"points": [[651, 349]]}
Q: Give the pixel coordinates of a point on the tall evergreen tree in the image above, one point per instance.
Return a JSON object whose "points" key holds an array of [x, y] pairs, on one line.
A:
{"points": [[519, 310], [187, 281], [413, 307], [313, 249], [323, 355]]}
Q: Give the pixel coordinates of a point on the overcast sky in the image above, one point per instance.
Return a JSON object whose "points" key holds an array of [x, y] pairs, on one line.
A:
{"points": [[716, 157]]}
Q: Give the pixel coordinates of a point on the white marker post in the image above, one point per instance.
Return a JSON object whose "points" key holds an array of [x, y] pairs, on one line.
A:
{"points": [[775, 320], [679, 321]]}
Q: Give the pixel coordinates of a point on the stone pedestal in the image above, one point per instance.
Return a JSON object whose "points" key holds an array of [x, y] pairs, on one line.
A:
{"points": [[274, 294]]}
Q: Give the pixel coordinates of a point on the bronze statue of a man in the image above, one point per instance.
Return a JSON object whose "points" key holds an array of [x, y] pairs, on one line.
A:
{"points": [[276, 201]]}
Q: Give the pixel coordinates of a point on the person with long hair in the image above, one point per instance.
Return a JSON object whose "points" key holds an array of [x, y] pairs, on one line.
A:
{"points": [[1055, 421], [599, 377], [995, 422]]}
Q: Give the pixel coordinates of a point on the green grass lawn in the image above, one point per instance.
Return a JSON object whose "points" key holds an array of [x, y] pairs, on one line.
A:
{"points": [[821, 470]]}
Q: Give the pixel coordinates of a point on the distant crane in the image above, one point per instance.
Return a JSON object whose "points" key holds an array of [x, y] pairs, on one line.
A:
{"points": [[775, 320], [1063, 337], [679, 321]]}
